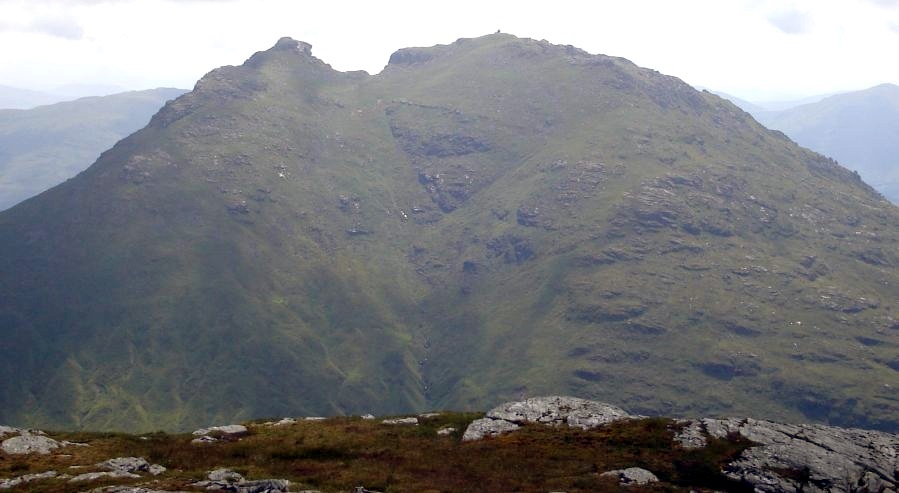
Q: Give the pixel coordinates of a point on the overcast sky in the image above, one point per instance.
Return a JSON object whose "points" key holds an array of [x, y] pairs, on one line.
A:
{"points": [[760, 50]]}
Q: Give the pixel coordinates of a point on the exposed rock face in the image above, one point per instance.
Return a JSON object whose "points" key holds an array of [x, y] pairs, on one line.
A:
{"points": [[632, 476], [552, 410], [793, 458], [26, 443]]}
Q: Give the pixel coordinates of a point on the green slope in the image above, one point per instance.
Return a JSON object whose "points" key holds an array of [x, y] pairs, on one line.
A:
{"points": [[483, 220], [42, 147]]}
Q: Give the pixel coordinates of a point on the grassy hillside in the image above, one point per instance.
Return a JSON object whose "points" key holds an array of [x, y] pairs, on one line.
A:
{"points": [[483, 220], [42, 147]]}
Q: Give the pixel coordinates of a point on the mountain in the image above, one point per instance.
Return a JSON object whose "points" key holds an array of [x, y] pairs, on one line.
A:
{"points": [[44, 146], [859, 129], [483, 220], [16, 98]]}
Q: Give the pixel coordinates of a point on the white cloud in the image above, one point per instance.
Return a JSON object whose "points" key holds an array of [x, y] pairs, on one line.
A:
{"points": [[62, 26], [726, 45], [790, 21]]}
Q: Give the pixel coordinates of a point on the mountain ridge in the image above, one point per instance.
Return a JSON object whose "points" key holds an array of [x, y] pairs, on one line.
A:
{"points": [[488, 218]]}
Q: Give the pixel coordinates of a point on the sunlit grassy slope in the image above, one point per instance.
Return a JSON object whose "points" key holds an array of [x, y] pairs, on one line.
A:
{"points": [[483, 220]]}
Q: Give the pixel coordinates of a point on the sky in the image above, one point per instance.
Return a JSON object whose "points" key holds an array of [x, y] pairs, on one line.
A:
{"points": [[760, 50]]}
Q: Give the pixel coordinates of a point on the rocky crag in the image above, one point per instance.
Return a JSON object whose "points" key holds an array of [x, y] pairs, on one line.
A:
{"points": [[738, 455]]}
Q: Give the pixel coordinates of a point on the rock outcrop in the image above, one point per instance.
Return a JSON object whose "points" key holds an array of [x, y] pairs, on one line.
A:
{"points": [[552, 410], [783, 458], [808, 458]]}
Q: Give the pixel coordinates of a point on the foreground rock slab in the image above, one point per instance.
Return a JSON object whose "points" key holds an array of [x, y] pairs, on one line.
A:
{"points": [[552, 410], [808, 458]]}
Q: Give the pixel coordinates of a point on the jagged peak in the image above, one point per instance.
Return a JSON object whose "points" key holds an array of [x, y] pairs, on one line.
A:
{"points": [[288, 43]]}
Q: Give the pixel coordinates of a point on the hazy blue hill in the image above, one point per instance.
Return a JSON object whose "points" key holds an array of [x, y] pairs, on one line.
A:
{"points": [[16, 98], [44, 146], [858, 129], [487, 219]]}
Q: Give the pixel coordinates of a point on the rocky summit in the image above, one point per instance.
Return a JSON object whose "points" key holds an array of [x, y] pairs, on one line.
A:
{"points": [[555, 443], [481, 221]]}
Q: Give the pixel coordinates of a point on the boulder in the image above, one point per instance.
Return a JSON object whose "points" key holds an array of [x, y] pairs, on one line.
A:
{"points": [[449, 430], [26, 443], [632, 476], [793, 458]]}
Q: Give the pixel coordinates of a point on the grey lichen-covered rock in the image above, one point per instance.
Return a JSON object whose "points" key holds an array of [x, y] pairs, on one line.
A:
{"points": [[487, 427], [26, 443], [93, 476], [448, 430], [793, 458], [9, 430], [400, 421], [225, 430], [6, 484], [225, 475], [632, 476], [552, 410], [132, 465], [263, 486], [228, 480], [557, 410], [203, 439], [129, 489]]}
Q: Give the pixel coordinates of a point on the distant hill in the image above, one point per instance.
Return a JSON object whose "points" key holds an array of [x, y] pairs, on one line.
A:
{"points": [[44, 146], [858, 129], [21, 99]]}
